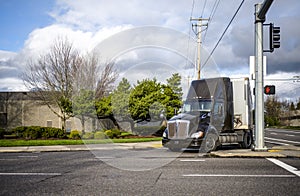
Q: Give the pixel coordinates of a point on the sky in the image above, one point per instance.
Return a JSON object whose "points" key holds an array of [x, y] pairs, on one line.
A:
{"points": [[151, 38]]}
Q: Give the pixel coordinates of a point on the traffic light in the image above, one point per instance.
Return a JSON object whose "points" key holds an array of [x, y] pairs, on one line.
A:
{"points": [[269, 90], [274, 37]]}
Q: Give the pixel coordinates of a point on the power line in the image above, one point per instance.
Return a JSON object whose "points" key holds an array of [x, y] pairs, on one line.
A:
{"points": [[192, 10], [223, 33], [203, 8], [217, 2], [212, 14]]}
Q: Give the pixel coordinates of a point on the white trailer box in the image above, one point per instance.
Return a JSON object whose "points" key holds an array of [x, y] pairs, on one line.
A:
{"points": [[242, 103]]}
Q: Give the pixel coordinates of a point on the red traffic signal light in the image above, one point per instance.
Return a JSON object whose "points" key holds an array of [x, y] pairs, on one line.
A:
{"points": [[269, 90]]}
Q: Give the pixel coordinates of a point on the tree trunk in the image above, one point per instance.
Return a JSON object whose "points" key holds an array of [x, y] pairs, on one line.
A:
{"points": [[83, 124]]}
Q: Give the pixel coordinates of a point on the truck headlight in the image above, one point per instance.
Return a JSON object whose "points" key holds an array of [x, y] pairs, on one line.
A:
{"points": [[197, 135], [164, 134]]}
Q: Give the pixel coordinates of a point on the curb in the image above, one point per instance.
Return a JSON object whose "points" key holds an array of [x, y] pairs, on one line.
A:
{"points": [[274, 152], [88, 147]]}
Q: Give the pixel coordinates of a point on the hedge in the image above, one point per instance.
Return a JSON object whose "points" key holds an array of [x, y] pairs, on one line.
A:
{"points": [[37, 132]]}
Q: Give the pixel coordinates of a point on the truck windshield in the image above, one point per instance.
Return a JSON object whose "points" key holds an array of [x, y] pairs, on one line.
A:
{"points": [[197, 106]]}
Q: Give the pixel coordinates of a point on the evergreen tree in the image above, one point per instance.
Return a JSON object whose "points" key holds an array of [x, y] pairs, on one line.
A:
{"points": [[175, 83], [292, 107], [150, 98], [120, 101], [298, 105]]}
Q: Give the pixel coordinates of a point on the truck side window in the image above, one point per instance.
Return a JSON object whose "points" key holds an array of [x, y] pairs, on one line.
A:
{"points": [[218, 109]]}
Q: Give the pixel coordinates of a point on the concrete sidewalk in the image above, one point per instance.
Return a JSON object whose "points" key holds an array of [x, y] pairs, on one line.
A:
{"points": [[275, 151]]}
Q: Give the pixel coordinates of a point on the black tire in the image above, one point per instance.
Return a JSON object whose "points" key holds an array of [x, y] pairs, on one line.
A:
{"points": [[247, 140], [210, 142]]}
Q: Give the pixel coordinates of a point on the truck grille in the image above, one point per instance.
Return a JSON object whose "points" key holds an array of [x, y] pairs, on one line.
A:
{"points": [[178, 129]]}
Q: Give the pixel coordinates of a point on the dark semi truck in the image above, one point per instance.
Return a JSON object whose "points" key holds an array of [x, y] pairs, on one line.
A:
{"points": [[216, 111]]}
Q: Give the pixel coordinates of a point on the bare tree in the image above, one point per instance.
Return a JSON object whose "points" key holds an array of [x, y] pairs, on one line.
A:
{"points": [[91, 84], [107, 77], [63, 76], [52, 77]]}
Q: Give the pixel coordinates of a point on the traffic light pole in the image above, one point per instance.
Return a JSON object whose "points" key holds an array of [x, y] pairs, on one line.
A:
{"points": [[260, 13], [259, 82]]}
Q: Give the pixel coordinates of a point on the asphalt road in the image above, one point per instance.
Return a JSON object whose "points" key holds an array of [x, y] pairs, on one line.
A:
{"points": [[282, 137], [82, 173]]}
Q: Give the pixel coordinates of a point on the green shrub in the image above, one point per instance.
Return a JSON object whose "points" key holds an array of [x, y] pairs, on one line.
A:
{"points": [[18, 131], [124, 134], [109, 134], [88, 135], [32, 132], [52, 132], [114, 133], [75, 134], [99, 135]]}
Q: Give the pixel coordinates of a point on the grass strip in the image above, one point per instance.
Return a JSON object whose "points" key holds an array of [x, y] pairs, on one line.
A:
{"points": [[17, 142]]}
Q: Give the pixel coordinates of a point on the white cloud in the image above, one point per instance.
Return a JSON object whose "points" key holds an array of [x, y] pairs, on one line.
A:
{"points": [[6, 55], [12, 84], [88, 23], [40, 40]]}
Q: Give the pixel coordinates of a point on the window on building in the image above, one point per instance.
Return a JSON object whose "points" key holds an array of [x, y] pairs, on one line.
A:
{"points": [[68, 125], [49, 123], [3, 119]]}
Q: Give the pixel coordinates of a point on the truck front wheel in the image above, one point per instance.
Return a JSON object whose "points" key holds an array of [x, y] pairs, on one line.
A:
{"points": [[210, 142]]}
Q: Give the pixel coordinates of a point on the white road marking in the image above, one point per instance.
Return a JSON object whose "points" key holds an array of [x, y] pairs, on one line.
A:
{"points": [[232, 175], [271, 142], [105, 157], [285, 166], [28, 156], [9, 159], [282, 140], [290, 135], [30, 174], [192, 160], [282, 131], [274, 133]]}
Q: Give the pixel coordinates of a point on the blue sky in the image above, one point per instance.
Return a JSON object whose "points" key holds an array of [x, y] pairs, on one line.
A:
{"points": [[29, 27], [20, 17]]}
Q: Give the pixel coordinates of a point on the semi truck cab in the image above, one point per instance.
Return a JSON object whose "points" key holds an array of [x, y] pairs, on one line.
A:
{"points": [[207, 119]]}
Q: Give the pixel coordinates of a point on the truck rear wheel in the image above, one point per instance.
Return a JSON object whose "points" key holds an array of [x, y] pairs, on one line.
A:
{"points": [[247, 140]]}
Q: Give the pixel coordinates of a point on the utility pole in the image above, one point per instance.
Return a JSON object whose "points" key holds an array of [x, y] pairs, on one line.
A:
{"points": [[260, 16], [198, 32]]}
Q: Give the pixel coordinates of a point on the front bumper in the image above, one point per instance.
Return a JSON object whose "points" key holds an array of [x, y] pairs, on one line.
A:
{"points": [[182, 143]]}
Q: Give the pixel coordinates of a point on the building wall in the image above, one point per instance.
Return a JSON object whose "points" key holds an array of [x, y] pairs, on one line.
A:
{"points": [[25, 109]]}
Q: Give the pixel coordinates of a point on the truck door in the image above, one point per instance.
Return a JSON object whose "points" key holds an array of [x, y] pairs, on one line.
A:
{"points": [[218, 115]]}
